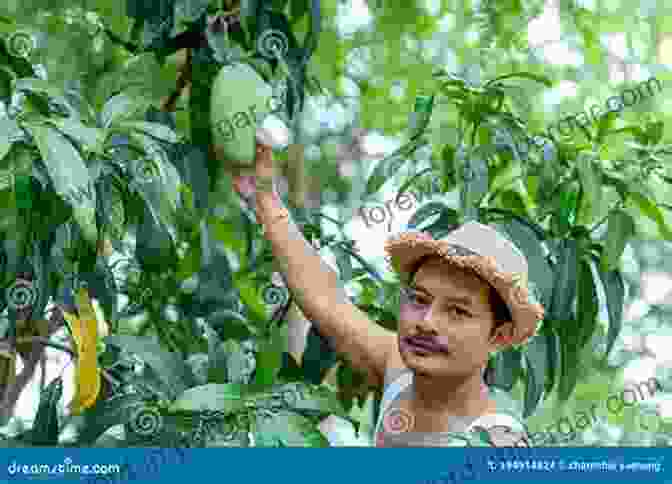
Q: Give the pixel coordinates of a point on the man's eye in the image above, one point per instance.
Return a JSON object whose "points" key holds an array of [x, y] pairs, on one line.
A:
{"points": [[415, 298], [459, 311]]}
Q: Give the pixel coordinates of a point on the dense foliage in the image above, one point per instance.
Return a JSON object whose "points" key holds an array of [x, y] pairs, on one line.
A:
{"points": [[110, 190]]}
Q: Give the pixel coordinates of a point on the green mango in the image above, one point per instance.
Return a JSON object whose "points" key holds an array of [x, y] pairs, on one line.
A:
{"points": [[240, 99]]}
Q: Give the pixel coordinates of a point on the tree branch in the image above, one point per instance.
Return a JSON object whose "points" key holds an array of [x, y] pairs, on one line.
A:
{"points": [[132, 48], [183, 80], [41, 341], [10, 393]]}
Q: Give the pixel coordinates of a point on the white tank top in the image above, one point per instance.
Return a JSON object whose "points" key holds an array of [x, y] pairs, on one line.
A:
{"points": [[505, 419]]}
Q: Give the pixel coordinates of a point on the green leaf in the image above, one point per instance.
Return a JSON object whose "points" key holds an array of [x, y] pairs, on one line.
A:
{"points": [[425, 212], [279, 5], [187, 11], [290, 371], [540, 272], [368, 267], [156, 130], [645, 206], [249, 9], [45, 88], [217, 365], [289, 429], [169, 367], [615, 293], [523, 75], [604, 126], [122, 107], [570, 351], [297, 9], [620, 228], [564, 210], [513, 201], [230, 325], [446, 223], [384, 170], [250, 297], [553, 351], [314, 401], [507, 368], [45, 430], [191, 262], [105, 414], [410, 183], [318, 357], [91, 139], [536, 360], [589, 176], [9, 130], [565, 271], [654, 130], [157, 181], [344, 263], [475, 186], [237, 362], [227, 398], [69, 175], [587, 304], [227, 232], [269, 359]]}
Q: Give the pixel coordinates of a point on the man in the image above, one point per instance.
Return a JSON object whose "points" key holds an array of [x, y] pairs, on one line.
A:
{"points": [[463, 297]]}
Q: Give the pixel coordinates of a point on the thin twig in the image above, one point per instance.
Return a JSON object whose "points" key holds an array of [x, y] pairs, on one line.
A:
{"points": [[133, 49], [46, 342], [110, 378]]}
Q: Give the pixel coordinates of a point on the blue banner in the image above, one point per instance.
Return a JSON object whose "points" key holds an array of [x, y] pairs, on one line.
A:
{"points": [[337, 466]]}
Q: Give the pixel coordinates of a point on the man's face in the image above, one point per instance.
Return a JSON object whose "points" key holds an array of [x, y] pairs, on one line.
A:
{"points": [[453, 305]]}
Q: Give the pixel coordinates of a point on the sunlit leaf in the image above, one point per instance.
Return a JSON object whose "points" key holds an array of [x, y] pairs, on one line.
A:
{"points": [[620, 228], [45, 430], [169, 367], [69, 175], [227, 398], [84, 330], [291, 429]]}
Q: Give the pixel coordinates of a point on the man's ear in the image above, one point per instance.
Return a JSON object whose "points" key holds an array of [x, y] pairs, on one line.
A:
{"points": [[503, 335]]}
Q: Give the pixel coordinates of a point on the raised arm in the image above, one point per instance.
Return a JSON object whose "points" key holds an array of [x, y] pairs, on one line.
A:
{"points": [[314, 284]]}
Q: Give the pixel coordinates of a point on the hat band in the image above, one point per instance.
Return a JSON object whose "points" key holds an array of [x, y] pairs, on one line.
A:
{"points": [[458, 250]]}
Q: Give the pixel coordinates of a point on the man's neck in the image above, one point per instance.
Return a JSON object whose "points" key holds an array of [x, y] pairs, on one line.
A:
{"points": [[463, 397]]}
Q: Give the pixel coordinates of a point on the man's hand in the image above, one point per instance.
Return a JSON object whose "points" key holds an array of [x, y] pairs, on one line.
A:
{"points": [[262, 183]]}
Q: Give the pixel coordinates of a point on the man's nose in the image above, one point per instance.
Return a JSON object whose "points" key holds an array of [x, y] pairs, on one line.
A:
{"points": [[427, 324]]}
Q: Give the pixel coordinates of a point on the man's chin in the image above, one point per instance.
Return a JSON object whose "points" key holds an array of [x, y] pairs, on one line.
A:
{"points": [[420, 361]]}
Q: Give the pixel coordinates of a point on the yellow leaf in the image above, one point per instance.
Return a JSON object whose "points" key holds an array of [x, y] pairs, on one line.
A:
{"points": [[85, 333], [7, 367]]}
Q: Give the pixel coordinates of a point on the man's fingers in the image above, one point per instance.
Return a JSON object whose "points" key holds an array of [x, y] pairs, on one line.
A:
{"points": [[264, 137], [244, 185]]}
